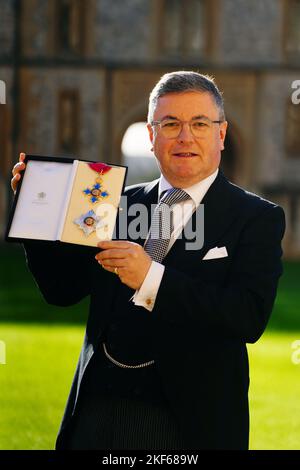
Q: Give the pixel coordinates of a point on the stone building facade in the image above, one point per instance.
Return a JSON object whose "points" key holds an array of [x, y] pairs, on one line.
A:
{"points": [[79, 72]]}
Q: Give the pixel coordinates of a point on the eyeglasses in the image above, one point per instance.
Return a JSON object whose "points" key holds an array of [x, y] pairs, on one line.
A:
{"points": [[172, 128]]}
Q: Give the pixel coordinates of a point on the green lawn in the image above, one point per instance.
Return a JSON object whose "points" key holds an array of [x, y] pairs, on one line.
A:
{"points": [[274, 393], [43, 344], [35, 381]]}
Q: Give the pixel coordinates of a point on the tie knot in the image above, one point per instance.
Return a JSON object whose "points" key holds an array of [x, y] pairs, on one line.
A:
{"points": [[174, 195]]}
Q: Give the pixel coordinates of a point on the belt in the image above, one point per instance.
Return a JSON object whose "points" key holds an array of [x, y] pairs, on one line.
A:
{"points": [[125, 366]]}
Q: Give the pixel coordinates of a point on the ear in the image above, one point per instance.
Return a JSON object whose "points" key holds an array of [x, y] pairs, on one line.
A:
{"points": [[151, 133], [223, 129]]}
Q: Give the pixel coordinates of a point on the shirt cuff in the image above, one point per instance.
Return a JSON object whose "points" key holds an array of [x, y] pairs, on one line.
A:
{"points": [[146, 295]]}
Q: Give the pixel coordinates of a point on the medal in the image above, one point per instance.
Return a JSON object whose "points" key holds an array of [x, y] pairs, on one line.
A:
{"points": [[96, 193], [89, 222]]}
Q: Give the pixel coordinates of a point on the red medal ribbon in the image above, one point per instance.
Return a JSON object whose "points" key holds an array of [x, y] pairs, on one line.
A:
{"points": [[100, 167]]}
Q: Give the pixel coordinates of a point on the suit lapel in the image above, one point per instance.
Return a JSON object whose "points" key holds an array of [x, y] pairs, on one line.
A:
{"points": [[147, 197], [219, 213]]}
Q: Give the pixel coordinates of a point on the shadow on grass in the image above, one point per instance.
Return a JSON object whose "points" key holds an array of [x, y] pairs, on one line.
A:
{"points": [[286, 312], [21, 301], [20, 298]]}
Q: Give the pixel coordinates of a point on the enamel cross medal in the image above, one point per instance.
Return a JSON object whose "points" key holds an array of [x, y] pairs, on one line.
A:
{"points": [[89, 222], [96, 193]]}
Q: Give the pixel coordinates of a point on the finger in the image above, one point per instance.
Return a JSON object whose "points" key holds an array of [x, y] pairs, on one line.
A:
{"points": [[112, 253], [107, 244], [22, 157], [14, 182], [18, 168]]}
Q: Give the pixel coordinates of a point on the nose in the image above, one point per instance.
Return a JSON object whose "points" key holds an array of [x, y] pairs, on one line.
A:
{"points": [[185, 133]]}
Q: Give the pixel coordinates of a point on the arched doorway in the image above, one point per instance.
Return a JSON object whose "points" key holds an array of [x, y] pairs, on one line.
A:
{"points": [[136, 154]]}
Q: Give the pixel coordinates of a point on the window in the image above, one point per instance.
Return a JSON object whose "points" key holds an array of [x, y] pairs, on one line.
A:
{"points": [[292, 130], [183, 29], [71, 27], [292, 28], [171, 26], [194, 26], [68, 121]]}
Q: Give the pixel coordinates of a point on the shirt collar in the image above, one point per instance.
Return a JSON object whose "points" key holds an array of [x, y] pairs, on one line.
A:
{"points": [[197, 191]]}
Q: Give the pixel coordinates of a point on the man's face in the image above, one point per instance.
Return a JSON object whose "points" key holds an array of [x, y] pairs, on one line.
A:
{"points": [[186, 160]]}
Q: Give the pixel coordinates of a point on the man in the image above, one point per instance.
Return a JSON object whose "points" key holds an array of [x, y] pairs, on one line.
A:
{"points": [[164, 362]]}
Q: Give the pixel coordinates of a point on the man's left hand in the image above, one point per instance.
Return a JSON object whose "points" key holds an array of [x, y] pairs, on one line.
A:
{"points": [[126, 259]]}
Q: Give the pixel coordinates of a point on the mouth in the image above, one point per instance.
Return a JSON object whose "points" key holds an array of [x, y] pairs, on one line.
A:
{"points": [[185, 154]]}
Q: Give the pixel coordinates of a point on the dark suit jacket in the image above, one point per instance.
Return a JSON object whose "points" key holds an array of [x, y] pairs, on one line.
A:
{"points": [[205, 311]]}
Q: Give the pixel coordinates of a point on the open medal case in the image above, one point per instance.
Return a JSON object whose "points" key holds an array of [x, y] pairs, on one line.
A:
{"points": [[67, 200]]}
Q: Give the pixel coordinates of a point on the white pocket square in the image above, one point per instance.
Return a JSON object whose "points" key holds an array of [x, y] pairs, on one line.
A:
{"points": [[216, 253]]}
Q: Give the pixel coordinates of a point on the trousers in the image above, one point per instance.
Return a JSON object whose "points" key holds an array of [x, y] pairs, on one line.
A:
{"points": [[111, 423], [104, 421]]}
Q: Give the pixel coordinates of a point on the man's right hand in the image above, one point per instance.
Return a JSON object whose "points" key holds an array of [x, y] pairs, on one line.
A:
{"points": [[17, 169]]}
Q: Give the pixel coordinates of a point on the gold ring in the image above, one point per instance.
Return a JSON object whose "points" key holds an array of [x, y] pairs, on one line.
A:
{"points": [[116, 271]]}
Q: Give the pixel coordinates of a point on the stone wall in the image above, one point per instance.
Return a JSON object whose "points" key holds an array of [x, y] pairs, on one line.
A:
{"points": [[123, 30], [40, 91], [250, 32], [274, 166]]}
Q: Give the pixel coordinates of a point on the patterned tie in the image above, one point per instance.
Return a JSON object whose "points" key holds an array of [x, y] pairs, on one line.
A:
{"points": [[162, 224]]}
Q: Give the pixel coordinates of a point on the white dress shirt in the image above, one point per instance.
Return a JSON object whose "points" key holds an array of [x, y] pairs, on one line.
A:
{"points": [[146, 295]]}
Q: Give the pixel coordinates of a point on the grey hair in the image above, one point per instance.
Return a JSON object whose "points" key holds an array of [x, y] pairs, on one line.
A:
{"points": [[181, 81]]}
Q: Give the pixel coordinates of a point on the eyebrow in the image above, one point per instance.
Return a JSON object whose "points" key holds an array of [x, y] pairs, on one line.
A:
{"points": [[169, 116]]}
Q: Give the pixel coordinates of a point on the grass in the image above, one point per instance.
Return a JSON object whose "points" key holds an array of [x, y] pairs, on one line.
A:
{"points": [[274, 392], [20, 300], [43, 345], [35, 381]]}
